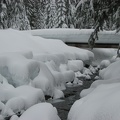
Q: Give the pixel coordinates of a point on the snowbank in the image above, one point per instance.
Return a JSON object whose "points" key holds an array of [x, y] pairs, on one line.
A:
{"points": [[30, 95], [76, 35], [112, 71], [101, 104], [75, 65], [42, 111], [17, 69], [103, 54]]}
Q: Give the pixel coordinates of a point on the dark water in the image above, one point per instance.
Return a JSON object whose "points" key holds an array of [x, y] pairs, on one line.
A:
{"points": [[71, 95]]}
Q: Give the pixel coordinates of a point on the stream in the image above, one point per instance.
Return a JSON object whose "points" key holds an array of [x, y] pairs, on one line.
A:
{"points": [[71, 95]]}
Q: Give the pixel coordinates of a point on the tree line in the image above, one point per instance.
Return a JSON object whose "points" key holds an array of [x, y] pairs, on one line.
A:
{"points": [[40, 14]]}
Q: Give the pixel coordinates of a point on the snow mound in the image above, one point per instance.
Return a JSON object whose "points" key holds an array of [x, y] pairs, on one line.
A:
{"points": [[17, 69], [30, 95], [41, 111], [14, 105], [112, 71], [104, 64], [75, 65], [101, 104], [103, 54], [45, 80]]}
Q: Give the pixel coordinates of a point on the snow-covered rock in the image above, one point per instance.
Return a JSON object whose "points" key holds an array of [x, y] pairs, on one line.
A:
{"points": [[102, 54], [41, 111], [112, 71], [17, 69], [14, 117], [30, 95], [45, 80], [75, 65], [104, 64], [15, 105], [58, 94]]}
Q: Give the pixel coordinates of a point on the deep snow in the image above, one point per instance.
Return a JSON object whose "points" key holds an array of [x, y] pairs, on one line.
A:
{"points": [[32, 67]]}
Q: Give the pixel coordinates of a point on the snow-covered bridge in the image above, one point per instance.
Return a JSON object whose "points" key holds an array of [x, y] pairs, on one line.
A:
{"points": [[79, 37]]}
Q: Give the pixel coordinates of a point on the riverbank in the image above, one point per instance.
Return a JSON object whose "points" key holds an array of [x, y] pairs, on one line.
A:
{"points": [[71, 95]]}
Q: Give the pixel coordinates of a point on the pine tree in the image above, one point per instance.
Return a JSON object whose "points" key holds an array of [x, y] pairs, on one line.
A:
{"points": [[50, 13], [83, 15], [3, 15], [13, 15], [35, 13], [69, 19], [61, 14]]}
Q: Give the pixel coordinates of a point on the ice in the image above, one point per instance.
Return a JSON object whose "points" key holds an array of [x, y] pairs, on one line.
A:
{"points": [[41, 111]]}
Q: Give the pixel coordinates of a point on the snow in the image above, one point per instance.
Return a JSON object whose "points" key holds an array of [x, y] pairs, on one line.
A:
{"points": [[101, 101], [104, 64], [32, 67], [17, 69], [103, 54], [26, 95], [75, 65], [112, 71], [101, 104], [41, 111], [76, 35], [45, 80], [15, 105]]}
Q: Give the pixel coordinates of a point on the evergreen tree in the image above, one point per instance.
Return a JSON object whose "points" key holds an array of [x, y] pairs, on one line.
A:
{"points": [[13, 14], [50, 13], [61, 14], [69, 19], [35, 13], [3, 15]]}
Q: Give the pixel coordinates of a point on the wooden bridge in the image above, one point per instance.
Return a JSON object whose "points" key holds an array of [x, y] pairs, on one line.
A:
{"points": [[79, 38]]}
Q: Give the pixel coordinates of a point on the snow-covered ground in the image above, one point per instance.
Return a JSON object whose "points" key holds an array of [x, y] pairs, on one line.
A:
{"points": [[32, 67], [77, 35], [101, 101]]}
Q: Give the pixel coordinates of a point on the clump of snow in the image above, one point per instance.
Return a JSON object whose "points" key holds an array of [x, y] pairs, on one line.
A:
{"points": [[114, 59], [58, 94], [14, 117], [15, 105], [30, 95], [45, 80], [17, 69], [41, 111], [102, 54], [104, 64], [112, 71], [80, 75], [96, 77], [75, 65], [87, 71]]}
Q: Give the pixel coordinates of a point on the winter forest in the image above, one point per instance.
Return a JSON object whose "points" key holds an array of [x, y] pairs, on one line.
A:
{"points": [[39, 14], [50, 65]]}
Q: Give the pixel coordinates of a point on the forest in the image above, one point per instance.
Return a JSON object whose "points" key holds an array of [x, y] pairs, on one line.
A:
{"points": [[44, 14]]}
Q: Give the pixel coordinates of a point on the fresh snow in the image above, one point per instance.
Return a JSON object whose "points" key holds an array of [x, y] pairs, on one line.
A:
{"points": [[100, 101], [77, 35], [41, 111], [32, 67]]}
